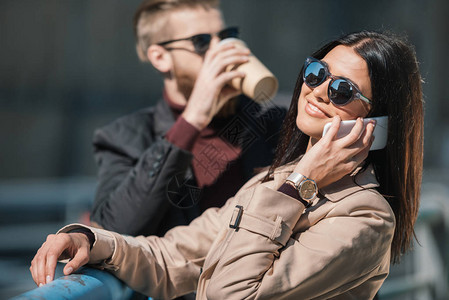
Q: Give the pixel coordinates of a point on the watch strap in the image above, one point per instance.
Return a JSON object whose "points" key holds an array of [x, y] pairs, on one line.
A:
{"points": [[295, 179]]}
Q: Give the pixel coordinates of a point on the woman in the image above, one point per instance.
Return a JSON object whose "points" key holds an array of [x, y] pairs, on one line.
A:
{"points": [[278, 238]]}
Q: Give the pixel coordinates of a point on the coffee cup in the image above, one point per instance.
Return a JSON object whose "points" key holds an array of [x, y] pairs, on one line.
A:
{"points": [[259, 83]]}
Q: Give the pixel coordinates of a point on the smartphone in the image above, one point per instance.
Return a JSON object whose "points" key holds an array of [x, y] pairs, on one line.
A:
{"points": [[380, 131]]}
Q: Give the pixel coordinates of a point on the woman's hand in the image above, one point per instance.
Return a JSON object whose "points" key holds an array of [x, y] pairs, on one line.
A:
{"points": [[330, 159], [75, 246]]}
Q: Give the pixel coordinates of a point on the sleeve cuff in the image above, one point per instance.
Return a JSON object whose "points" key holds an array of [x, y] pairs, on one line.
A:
{"points": [[270, 213], [103, 246], [289, 190], [271, 203], [183, 134], [89, 234]]}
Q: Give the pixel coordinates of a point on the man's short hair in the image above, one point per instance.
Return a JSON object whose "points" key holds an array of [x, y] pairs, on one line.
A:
{"points": [[150, 20]]}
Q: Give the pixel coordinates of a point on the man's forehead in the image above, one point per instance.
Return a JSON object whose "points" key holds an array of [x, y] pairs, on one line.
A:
{"points": [[190, 21]]}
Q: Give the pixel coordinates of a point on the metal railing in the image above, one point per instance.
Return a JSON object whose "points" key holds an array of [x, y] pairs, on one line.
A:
{"points": [[30, 209], [86, 283]]}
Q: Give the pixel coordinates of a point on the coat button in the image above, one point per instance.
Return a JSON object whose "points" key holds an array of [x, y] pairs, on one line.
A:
{"points": [[159, 155]]}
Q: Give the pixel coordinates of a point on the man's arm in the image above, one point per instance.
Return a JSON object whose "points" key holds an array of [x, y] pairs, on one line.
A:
{"points": [[132, 191], [132, 194]]}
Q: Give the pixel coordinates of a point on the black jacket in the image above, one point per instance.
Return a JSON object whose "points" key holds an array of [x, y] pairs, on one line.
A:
{"points": [[144, 179]]}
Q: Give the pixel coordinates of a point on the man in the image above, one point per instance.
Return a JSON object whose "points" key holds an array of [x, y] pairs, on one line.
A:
{"points": [[164, 165]]}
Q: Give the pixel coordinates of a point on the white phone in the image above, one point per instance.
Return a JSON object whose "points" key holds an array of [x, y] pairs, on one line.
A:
{"points": [[380, 131]]}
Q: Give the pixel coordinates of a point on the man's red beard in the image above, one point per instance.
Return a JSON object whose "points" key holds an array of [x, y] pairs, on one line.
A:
{"points": [[186, 83]]}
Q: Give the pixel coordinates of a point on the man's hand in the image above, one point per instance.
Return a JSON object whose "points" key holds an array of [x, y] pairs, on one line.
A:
{"points": [[330, 159], [75, 246], [211, 91]]}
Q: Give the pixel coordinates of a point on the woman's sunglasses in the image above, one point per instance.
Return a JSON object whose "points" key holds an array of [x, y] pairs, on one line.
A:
{"points": [[201, 42], [340, 90]]}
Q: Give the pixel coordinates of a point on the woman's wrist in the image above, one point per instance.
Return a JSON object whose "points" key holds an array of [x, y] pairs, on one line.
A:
{"points": [[89, 234], [305, 171], [289, 190], [306, 187]]}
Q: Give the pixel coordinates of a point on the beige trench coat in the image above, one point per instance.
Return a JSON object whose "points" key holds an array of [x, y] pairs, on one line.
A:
{"points": [[338, 248]]}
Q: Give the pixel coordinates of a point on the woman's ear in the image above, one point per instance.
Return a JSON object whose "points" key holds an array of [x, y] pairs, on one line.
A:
{"points": [[159, 58]]}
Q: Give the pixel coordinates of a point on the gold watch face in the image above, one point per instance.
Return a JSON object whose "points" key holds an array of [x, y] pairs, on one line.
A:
{"points": [[307, 190]]}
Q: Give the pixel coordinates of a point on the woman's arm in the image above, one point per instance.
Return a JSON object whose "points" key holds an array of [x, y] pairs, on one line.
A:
{"points": [[341, 251], [160, 267], [166, 267]]}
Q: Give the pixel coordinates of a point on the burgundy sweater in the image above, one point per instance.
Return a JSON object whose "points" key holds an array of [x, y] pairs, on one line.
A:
{"points": [[216, 163]]}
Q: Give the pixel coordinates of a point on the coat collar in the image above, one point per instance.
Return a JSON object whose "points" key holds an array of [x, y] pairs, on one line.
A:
{"points": [[163, 118], [348, 185]]}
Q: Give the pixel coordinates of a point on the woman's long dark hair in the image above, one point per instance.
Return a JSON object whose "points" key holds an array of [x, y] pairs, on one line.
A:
{"points": [[396, 88]]}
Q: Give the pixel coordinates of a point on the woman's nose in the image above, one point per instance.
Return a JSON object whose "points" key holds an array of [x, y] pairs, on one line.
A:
{"points": [[320, 91]]}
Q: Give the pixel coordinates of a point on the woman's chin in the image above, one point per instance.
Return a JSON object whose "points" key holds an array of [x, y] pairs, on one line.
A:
{"points": [[315, 132]]}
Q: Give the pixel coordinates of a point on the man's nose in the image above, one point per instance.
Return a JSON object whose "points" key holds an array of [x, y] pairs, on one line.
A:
{"points": [[215, 40]]}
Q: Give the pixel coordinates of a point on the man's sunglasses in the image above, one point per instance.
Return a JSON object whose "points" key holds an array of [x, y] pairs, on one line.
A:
{"points": [[202, 41], [340, 90]]}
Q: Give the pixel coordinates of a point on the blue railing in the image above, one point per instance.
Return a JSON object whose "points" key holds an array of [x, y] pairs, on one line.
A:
{"points": [[87, 283]]}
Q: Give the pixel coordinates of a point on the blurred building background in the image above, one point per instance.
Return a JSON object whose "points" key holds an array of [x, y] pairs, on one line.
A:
{"points": [[67, 67]]}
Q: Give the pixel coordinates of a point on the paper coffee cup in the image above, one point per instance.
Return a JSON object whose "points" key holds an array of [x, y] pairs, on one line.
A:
{"points": [[259, 83]]}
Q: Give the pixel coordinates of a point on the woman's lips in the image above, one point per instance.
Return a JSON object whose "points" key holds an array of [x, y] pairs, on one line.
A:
{"points": [[314, 111]]}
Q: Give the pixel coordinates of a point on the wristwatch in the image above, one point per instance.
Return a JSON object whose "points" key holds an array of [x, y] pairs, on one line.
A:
{"points": [[306, 187]]}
